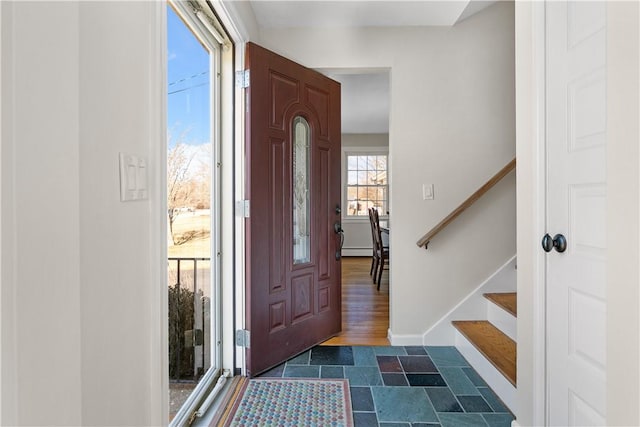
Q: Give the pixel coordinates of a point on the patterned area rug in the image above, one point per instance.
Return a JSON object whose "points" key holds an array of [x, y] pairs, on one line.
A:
{"points": [[292, 402]]}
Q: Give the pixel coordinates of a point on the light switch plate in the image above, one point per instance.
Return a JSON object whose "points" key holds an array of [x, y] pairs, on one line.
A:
{"points": [[133, 178], [427, 191]]}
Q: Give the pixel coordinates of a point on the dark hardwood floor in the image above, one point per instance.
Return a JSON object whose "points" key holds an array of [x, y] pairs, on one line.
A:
{"points": [[365, 310]]}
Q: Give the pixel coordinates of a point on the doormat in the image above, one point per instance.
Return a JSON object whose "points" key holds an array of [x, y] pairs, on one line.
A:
{"points": [[292, 402]]}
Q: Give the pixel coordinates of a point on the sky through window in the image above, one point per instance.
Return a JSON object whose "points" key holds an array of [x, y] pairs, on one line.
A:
{"points": [[188, 88]]}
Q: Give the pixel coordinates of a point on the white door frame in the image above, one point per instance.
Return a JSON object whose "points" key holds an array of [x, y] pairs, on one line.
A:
{"points": [[233, 112], [539, 267], [540, 384], [623, 372], [621, 282]]}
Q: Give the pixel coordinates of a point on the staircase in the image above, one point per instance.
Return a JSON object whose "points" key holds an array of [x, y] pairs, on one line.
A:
{"points": [[490, 345]]}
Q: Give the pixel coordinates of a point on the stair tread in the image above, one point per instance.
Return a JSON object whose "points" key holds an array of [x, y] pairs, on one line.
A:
{"points": [[497, 347], [506, 300]]}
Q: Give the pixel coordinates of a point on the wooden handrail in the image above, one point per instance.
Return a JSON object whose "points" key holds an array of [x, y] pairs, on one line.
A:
{"points": [[424, 240]]}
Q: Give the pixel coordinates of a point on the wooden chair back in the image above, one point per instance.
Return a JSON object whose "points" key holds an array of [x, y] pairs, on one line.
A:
{"points": [[377, 234]]}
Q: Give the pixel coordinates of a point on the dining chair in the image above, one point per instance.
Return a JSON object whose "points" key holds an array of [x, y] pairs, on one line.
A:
{"points": [[382, 252], [374, 255]]}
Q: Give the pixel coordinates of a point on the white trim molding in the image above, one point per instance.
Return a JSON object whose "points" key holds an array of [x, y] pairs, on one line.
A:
{"points": [[530, 178], [233, 284], [401, 340], [540, 403], [159, 355], [356, 252]]}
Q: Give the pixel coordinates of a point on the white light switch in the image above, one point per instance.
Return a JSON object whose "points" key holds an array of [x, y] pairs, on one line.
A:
{"points": [[132, 173], [141, 179], [427, 191], [133, 178]]}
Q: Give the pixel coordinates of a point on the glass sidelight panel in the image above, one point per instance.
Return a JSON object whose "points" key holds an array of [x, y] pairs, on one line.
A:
{"points": [[192, 209], [301, 203]]}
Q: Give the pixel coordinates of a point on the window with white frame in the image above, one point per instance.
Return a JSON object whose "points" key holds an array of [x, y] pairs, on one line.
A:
{"points": [[366, 183], [194, 46]]}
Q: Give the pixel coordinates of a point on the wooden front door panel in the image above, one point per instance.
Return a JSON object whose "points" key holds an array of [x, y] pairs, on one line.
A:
{"points": [[290, 306]]}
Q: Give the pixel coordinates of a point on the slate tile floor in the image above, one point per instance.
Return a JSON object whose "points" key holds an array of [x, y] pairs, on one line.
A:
{"points": [[404, 386]]}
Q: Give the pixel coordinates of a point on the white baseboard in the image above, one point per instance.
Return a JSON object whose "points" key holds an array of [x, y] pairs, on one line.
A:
{"points": [[356, 252], [403, 340], [514, 423]]}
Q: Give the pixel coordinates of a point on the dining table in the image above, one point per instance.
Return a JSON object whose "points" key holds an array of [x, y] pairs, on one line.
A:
{"points": [[384, 233]]}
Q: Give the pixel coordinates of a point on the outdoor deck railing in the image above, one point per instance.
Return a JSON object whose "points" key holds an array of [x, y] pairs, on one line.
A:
{"points": [[189, 333]]}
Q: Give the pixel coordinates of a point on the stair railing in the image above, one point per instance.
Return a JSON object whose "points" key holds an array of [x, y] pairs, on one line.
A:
{"points": [[424, 240]]}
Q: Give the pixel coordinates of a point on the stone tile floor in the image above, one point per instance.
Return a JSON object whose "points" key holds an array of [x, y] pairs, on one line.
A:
{"points": [[404, 386]]}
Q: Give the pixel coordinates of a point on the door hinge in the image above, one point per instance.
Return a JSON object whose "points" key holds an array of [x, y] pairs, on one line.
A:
{"points": [[243, 79], [243, 338], [243, 209]]}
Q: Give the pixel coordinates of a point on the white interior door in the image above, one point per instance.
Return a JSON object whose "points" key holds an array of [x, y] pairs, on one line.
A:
{"points": [[576, 207]]}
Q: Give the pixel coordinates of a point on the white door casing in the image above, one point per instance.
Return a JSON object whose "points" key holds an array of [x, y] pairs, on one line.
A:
{"points": [[576, 137]]}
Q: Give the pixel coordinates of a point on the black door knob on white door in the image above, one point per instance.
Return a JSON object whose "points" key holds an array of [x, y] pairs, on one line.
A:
{"points": [[559, 242]]}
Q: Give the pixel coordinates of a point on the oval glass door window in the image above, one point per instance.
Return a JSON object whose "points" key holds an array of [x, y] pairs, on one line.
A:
{"points": [[301, 202]]}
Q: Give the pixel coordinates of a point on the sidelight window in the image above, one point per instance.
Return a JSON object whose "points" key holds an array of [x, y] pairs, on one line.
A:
{"points": [[300, 200], [193, 129]]}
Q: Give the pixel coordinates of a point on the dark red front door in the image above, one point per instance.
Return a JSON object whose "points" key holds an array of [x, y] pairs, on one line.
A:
{"points": [[293, 154]]}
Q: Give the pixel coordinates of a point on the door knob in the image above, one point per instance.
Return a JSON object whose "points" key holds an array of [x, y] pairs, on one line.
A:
{"points": [[337, 228], [559, 242]]}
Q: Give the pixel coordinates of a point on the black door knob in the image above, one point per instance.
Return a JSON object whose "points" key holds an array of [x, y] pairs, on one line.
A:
{"points": [[559, 242], [337, 228]]}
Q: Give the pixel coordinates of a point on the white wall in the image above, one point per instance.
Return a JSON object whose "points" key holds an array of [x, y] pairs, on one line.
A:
{"points": [[623, 213], [40, 204], [623, 217], [81, 311], [452, 124], [357, 232], [350, 140], [475, 307], [119, 69]]}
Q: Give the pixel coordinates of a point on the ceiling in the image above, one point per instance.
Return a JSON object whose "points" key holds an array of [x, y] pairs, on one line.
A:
{"points": [[365, 96], [313, 13]]}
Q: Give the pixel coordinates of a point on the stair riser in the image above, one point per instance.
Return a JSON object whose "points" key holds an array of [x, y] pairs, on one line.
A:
{"points": [[503, 320], [494, 379]]}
